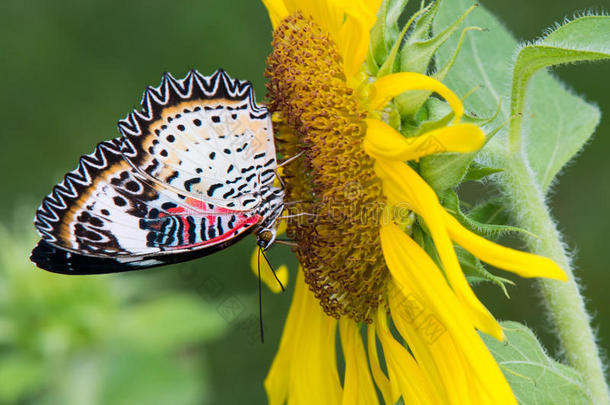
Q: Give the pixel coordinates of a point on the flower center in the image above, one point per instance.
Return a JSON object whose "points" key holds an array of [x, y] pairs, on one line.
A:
{"points": [[333, 185]]}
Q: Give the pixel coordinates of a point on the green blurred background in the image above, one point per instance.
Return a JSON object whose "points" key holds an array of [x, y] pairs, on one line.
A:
{"points": [[188, 334]]}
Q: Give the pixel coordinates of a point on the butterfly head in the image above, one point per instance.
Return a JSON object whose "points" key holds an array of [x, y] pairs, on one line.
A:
{"points": [[265, 237]]}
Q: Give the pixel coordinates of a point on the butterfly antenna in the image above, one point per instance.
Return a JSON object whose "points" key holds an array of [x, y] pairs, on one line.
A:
{"points": [[300, 214], [271, 267], [290, 159], [286, 242], [260, 297], [277, 175]]}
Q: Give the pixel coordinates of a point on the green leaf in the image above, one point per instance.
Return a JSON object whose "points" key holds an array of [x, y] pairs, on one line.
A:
{"points": [[482, 63], [548, 150], [555, 122], [534, 377]]}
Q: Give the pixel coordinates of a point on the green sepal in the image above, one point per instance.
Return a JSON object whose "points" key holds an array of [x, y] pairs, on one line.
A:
{"points": [[391, 63], [477, 171], [384, 33], [446, 171], [418, 51], [476, 272], [488, 219]]}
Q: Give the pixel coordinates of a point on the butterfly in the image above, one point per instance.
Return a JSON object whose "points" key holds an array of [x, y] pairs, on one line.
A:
{"points": [[192, 173]]}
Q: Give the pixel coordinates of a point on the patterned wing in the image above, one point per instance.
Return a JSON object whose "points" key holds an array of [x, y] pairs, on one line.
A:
{"points": [[203, 137], [106, 217]]}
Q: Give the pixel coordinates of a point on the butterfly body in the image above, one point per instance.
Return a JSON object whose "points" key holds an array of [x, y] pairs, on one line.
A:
{"points": [[191, 174]]}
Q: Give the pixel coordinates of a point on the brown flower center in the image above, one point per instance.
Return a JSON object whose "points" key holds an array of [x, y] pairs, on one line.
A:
{"points": [[318, 114]]}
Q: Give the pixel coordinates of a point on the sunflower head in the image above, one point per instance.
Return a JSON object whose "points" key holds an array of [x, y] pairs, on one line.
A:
{"points": [[334, 182]]}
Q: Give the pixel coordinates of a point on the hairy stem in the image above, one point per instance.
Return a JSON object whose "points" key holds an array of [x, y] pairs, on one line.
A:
{"points": [[563, 299]]}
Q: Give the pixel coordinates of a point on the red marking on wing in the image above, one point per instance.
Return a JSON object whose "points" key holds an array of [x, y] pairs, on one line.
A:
{"points": [[176, 210], [195, 203], [201, 208], [225, 236], [201, 205]]}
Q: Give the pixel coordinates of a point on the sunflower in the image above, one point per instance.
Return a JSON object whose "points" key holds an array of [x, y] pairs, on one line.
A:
{"points": [[361, 272]]}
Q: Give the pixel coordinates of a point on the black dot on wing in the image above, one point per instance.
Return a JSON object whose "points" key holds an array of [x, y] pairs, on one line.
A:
{"points": [[163, 153], [234, 116], [96, 222], [190, 182], [157, 132], [132, 186], [212, 155], [119, 201], [170, 119], [170, 138], [181, 127], [168, 205], [216, 119], [105, 212], [198, 170], [197, 122], [178, 115], [227, 151]]}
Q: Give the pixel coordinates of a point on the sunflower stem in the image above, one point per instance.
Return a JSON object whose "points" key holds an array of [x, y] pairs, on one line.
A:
{"points": [[563, 299]]}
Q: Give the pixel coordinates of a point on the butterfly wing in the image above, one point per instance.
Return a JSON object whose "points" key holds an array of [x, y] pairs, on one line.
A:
{"points": [[204, 137], [105, 214], [144, 199]]}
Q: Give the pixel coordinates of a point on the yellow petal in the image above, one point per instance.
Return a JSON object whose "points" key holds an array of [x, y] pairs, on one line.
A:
{"points": [[305, 369], [381, 380], [281, 229], [277, 11], [406, 377], [354, 34], [403, 183], [267, 276], [278, 379], [388, 87], [521, 263], [358, 386], [436, 326], [383, 141]]}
